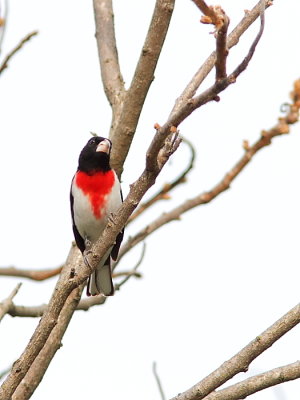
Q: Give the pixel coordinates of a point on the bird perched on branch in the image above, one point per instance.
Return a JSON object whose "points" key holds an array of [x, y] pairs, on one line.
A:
{"points": [[95, 195]]}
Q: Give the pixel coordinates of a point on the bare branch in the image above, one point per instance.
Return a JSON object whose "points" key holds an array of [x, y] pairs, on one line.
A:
{"points": [[108, 55], [4, 63], [133, 272], [5, 305], [233, 39], [256, 383], [216, 16], [220, 85], [163, 193], [36, 275], [241, 361], [221, 47], [44, 329], [157, 379], [281, 128], [77, 273], [84, 304], [122, 134], [40, 365]]}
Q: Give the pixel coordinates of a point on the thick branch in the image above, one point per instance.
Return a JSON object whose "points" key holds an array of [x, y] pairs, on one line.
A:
{"points": [[122, 134], [62, 291], [241, 361], [41, 363], [74, 274], [108, 55], [256, 383]]}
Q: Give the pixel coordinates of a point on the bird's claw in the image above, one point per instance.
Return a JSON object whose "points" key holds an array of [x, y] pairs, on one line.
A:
{"points": [[85, 259]]}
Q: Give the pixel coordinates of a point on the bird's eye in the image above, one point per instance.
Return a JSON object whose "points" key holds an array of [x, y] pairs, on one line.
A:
{"points": [[92, 141]]}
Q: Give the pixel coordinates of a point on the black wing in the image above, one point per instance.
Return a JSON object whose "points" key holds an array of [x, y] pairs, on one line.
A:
{"points": [[119, 238], [78, 239]]}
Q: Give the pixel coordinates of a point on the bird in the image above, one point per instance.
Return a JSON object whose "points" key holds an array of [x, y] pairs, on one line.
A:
{"points": [[94, 196]]}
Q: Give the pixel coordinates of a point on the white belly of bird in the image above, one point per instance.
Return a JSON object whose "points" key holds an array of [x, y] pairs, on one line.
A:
{"points": [[87, 224]]}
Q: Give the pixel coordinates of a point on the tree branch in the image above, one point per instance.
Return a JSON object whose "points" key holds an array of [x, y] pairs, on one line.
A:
{"points": [[108, 55], [216, 16], [281, 128], [4, 63], [40, 365], [74, 275], [6, 304], [207, 66], [163, 193], [36, 275], [122, 134], [157, 379], [241, 361], [256, 383]]}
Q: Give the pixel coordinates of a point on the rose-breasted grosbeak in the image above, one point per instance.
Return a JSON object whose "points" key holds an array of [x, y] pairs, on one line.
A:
{"points": [[95, 195]]}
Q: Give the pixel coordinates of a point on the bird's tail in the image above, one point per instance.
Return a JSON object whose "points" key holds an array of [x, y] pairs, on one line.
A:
{"points": [[100, 282]]}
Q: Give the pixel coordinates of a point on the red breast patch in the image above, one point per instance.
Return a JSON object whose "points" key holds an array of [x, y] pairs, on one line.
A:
{"points": [[96, 187]]}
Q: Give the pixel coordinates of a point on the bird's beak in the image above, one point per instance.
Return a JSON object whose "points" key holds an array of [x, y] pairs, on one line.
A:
{"points": [[103, 146]]}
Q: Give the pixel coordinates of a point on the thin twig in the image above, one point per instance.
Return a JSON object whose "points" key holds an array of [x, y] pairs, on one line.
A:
{"points": [[36, 275], [163, 193], [127, 273], [221, 47], [212, 93], [4, 63], [118, 285], [215, 15], [5, 305], [157, 379], [280, 128], [207, 66]]}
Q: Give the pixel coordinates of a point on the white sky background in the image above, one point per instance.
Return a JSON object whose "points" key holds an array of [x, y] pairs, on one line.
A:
{"points": [[211, 282]]}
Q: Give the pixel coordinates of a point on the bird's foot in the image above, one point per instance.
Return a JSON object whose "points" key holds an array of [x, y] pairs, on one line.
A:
{"points": [[87, 243], [111, 219], [85, 259]]}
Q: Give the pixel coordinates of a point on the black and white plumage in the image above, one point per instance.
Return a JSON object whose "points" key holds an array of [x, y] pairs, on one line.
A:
{"points": [[95, 195]]}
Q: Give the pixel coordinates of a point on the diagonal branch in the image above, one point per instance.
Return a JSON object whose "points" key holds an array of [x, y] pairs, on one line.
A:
{"points": [[163, 193], [207, 66], [241, 361], [220, 85], [280, 128], [41, 363], [4, 63], [6, 304], [76, 272], [256, 383]]}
